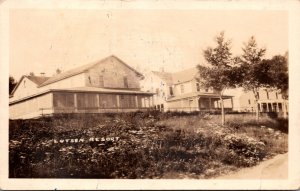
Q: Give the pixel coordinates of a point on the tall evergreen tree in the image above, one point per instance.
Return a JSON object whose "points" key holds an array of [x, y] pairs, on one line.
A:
{"points": [[254, 72]]}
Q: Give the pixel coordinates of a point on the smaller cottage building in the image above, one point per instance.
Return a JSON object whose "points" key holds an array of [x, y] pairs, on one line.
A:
{"points": [[108, 85], [269, 100], [180, 91]]}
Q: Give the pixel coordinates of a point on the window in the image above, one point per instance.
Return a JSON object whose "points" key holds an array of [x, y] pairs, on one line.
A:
{"points": [[171, 91], [198, 87], [92, 100], [87, 101], [63, 100], [108, 100], [101, 81], [90, 81], [128, 101], [182, 88], [276, 95], [190, 102], [125, 82], [81, 101], [257, 95], [157, 92], [206, 90], [249, 101]]}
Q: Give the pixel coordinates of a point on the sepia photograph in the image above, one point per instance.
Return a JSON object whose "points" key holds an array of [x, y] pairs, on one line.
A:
{"points": [[133, 91]]}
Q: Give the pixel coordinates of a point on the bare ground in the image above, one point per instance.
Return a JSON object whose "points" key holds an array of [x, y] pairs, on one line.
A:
{"points": [[275, 168]]}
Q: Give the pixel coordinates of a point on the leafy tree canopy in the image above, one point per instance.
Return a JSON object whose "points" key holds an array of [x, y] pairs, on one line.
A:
{"points": [[218, 74], [252, 70], [278, 73]]}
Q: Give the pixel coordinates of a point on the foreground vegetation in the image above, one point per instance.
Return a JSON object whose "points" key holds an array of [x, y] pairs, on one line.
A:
{"points": [[149, 145]]}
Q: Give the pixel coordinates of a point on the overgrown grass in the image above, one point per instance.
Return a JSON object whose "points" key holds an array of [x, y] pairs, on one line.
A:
{"points": [[151, 145]]}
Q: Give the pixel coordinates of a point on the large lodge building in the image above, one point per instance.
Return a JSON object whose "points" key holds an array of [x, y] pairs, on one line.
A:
{"points": [[108, 85]]}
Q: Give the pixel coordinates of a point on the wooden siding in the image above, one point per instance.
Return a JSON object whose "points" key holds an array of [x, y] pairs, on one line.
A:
{"points": [[112, 74], [25, 88], [31, 107], [70, 82]]}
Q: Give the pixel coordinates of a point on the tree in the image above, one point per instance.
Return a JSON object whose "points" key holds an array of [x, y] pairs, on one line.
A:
{"points": [[12, 84], [254, 72], [218, 73], [278, 72]]}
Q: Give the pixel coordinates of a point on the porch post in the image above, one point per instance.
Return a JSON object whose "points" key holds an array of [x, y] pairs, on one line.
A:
{"points": [[143, 102], [149, 101], [152, 101], [98, 103], [118, 102], [136, 101], [231, 103], [75, 102], [267, 107]]}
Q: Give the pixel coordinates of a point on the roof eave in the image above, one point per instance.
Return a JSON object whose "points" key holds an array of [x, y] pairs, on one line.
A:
{"points": [[19, 82]]}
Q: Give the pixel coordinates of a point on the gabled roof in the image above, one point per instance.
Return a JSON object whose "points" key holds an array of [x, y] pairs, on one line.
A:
{"points": [[178, 77], [165, 76], [38, 80], [83, 69], [185, 75]]}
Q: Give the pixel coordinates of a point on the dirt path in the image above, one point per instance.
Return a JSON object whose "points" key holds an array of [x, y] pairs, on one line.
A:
{"points": [[275, 168]]}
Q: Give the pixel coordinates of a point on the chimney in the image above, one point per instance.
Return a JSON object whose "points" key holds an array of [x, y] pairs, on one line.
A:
{"points": [[58, 71]]}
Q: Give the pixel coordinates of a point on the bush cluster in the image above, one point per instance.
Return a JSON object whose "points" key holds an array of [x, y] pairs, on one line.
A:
{"points": [[147, 147]]}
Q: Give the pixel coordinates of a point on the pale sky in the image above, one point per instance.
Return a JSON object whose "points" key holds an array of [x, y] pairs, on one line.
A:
{"points": [[43, 40]]}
